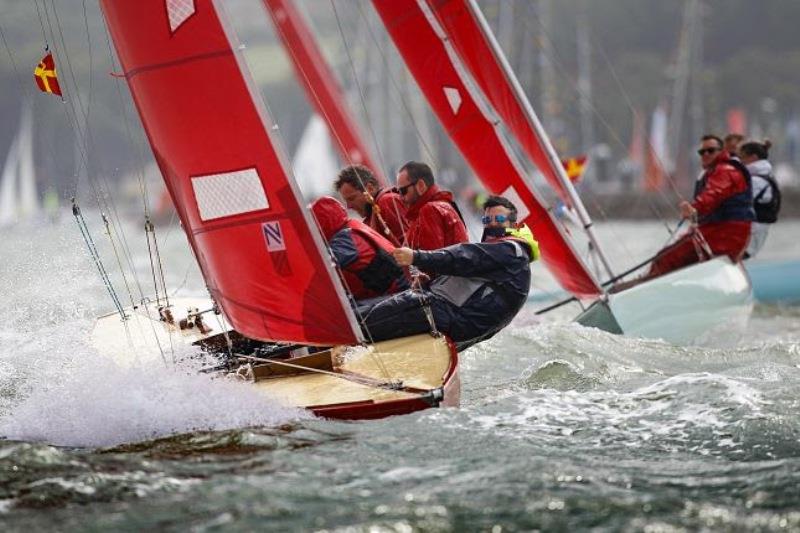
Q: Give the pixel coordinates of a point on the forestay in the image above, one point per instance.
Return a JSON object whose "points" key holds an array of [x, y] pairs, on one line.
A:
{"points": [[262, 259], [471, 124]]}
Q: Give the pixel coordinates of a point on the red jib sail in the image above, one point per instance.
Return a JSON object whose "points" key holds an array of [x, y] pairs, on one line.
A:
{"points": [[320, 83], [264, 263], [469, 122], [458, 17]]}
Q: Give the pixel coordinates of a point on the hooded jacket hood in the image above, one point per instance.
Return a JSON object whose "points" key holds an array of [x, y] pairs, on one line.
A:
{"points": [[433, 194], [330, 214], [760, 167]]}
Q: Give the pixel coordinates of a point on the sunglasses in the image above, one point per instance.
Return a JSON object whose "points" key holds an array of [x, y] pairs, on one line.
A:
{"points": [[704, 151], [404, 189], [500, 219]]}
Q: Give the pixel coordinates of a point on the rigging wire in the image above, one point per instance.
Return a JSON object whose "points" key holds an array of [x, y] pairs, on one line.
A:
{"points": [[333, 131], [362, 100], [95, 255], [562, 71], [84, 144], [89, 143]]}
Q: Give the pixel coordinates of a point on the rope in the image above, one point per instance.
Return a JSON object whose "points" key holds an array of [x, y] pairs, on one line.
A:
{"points": [[119, 261], [618, 277], [355, 378], [149, 230], [90, 245]]}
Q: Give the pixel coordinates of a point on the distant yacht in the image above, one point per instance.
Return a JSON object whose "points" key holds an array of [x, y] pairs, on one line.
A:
{"points": [[19, 199]]}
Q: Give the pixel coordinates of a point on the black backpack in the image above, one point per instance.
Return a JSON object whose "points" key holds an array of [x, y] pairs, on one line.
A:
{"points": [[767, 211]]}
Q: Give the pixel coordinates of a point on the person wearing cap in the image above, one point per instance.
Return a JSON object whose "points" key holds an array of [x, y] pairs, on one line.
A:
{"points": [[478, 290]]}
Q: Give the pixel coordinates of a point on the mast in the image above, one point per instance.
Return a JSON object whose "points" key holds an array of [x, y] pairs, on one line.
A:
{"points": [[320, 84], [585, 84], [554, 162]]}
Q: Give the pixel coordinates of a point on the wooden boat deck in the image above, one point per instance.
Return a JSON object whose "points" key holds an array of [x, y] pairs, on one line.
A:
{"points": [[424, 365]]}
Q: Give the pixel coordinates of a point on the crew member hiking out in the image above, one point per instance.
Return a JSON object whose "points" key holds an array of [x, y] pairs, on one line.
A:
{"points": [[381, 209], [363, 256], [433, 218], [479, 289], [723, 207]]}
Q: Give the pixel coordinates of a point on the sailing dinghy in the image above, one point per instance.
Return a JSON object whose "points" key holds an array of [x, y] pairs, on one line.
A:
{"points": [[455, 59], [264, 261]]}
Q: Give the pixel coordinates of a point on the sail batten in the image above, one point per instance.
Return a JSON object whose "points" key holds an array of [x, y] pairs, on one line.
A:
{"points": [[263, 260], [472, 125]]}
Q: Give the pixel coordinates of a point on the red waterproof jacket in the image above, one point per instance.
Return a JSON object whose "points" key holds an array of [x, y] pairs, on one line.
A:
{"points": [[363, 255], [393, 213], [433, 222], [723, 193]]}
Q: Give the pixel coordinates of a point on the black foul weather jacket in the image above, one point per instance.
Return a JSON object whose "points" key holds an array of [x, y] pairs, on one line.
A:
{"points": [[478, 290]]}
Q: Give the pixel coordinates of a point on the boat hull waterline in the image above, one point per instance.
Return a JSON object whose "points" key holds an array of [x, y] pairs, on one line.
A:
{"points": [[387, 378], [681, 307]]}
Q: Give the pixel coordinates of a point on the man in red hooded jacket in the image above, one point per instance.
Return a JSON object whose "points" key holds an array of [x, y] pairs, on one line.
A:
{"points": [[362, 254], [723, 205], [433, 218]]}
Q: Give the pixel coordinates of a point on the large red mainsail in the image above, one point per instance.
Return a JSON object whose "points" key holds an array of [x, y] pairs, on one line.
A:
{"points": [[320, 83], [460, 107], [263, 261]]}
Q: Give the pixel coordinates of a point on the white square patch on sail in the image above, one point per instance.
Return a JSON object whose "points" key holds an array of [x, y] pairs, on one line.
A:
{"points": [[232, 193], [179, 11], [512, 195]]}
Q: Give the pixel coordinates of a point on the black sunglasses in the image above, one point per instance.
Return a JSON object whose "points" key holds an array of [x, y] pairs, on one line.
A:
{"points": [[404, 189], [703, 151]]}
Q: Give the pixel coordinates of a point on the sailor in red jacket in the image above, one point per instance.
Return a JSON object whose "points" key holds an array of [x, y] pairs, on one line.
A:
{"points": [[381, 209], [363, 256], [433, 218], [723, 206]]}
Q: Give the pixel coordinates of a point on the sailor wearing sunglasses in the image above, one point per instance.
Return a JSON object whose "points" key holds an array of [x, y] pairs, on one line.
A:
{"points": [[721, 212], [478, 290]]}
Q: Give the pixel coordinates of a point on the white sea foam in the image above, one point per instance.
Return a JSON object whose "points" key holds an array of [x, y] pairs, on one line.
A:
{"points": [[93, 402]]}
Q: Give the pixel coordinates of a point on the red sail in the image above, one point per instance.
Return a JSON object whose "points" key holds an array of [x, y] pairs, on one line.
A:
{"points": [[320, 83], [264, 263], [464, 31], [450, 92]]}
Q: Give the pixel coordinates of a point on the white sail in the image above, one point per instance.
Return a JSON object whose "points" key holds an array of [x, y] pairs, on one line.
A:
{"points": [[315, 165], [8, 185], [28, 205], [18, 196]]}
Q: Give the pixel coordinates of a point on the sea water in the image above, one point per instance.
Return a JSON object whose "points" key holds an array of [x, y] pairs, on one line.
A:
{"points": [[560, 428]]}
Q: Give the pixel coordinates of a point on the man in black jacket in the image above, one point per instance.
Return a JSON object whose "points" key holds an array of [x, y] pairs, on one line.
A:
{"points": [[478, 290]]}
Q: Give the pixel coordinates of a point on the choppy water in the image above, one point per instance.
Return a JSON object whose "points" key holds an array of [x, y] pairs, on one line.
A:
{"points": [[561, 427]]}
